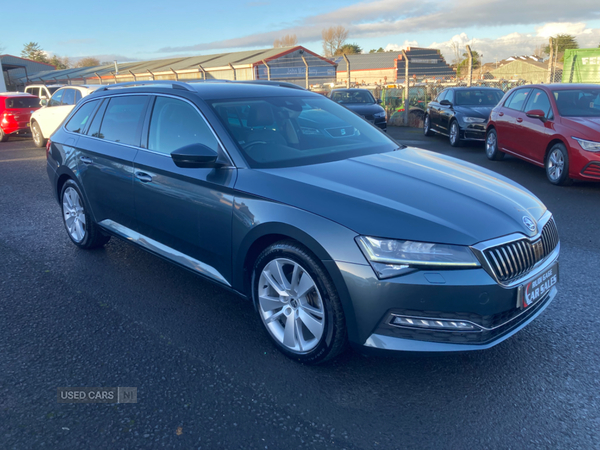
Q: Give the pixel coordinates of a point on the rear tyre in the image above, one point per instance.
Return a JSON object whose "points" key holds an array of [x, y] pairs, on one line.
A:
{"points": [[491, 146], [298, 304], [427, 126], [557, 166], [38, 137], [81, 229], [3, 136], [454, 135]]}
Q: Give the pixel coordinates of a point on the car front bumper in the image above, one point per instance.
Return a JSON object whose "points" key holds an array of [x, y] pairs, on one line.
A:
{"points": [[473, 131], [451, 295]]}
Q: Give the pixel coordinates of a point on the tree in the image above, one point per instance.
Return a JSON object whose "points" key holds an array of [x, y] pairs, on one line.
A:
{"points": [[88, 62], [60, 63], [348, 49], [289, 40], [379, 50], [33, 51], [562, 42], [334, 38], [463, 66]]}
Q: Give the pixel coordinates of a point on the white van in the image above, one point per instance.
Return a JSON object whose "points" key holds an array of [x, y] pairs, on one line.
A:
{"points": [[42, 91]]}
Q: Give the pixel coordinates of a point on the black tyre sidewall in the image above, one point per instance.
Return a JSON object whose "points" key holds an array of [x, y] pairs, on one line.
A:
{"points": [[290, 250], [564, 178], [3, 136]]}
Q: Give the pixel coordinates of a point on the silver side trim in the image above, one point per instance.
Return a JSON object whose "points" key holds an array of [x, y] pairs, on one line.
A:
{"points": [[164, 251]]}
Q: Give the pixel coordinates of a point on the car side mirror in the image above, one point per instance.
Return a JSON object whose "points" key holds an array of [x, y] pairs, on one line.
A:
{"points": [[446, 103], [195, 156], [536, 114], [379, 101], [44, 101]]}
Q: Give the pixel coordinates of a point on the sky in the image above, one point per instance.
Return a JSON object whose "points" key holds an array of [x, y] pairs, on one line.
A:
{"points": [[143, 30]]}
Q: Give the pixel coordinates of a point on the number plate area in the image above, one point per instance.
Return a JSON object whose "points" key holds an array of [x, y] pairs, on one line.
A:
{"points": [[536, 288]]}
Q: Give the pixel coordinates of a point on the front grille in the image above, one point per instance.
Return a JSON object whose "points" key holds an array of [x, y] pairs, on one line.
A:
{"points": [[515, 259], [592, 170]]}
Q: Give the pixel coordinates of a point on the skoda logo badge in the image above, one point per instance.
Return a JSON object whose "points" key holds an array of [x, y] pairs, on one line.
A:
{"points": [[529, 223]]}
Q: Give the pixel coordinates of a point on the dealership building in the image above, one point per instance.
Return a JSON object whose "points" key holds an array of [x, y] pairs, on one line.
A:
{"points": [[296, 65]]}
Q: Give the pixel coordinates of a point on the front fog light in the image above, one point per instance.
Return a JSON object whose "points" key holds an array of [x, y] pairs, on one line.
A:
{"points": [[435, 324]]}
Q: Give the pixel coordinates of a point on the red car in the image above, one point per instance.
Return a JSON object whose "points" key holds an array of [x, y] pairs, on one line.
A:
{"points": [[554, 126], [15, 112]]}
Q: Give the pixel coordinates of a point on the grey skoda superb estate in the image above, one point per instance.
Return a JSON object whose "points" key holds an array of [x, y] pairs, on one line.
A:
{"points": [[333, 231]]}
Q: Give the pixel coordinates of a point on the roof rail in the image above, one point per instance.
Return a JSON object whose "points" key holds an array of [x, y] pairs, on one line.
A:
{"points": [[272, 83], [174, 84]]}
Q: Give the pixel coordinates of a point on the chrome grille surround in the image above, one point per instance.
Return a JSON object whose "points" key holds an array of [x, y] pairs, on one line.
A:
{"points": [[511, 259]]}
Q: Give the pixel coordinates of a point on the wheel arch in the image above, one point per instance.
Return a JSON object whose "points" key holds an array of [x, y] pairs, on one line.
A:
{"points": [[555, 140]]}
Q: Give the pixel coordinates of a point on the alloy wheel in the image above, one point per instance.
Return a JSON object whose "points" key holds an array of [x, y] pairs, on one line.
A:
{"points": [[290, 305], [74, 214], [490, 144], [556, 165], [454, 134], [426, 125]]}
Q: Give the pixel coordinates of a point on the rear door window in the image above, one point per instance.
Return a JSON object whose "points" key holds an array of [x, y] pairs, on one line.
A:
{"points": [[77, 96], [123, 120], [517, 99], [175, 124], [68, 97], [82, 117]]}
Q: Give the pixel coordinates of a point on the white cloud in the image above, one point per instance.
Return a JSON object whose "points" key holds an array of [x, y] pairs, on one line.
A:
{"points": [[399, 48], [518, 43]]}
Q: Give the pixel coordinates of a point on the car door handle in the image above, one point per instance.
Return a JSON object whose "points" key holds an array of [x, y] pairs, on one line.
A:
{"points": [[143, 177], [500, 114], [519, 120], [86, 160]]}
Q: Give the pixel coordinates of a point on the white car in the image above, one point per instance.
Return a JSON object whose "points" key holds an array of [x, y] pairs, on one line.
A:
{"points": [[48, 118]]}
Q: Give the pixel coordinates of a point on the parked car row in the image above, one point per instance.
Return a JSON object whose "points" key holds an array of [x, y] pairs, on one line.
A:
{"points": [[335, 232], [554, 126]]}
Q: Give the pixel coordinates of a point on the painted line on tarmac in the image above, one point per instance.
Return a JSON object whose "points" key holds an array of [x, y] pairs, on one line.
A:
{"points": [[22, 159]]}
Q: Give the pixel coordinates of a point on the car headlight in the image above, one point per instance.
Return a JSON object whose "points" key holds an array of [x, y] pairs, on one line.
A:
{"points": [[391, 257], [589, 146], [473, 119], [379, 115]]}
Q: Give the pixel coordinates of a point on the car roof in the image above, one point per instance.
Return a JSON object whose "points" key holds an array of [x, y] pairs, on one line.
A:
{"points": [[211, 90], [560, 86], [478, 88], [45, 85], [16, 94], [350, 89]]}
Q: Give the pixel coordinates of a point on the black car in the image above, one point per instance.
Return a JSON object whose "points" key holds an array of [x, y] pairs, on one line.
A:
{"points": [[335, 232], [461, 113], [362, 102]]}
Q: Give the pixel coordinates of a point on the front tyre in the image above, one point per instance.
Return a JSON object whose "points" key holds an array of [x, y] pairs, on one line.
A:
{"points": [[3, 136], [454, 135], [298, 304], [38, 137], [81, 229], [427, 126], [491, 146], [557, 166]]}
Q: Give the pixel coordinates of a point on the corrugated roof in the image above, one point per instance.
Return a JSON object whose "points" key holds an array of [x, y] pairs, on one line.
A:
{"points": [[247, 57], [383, 60]]}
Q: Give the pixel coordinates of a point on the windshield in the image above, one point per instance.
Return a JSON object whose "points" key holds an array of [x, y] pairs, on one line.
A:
{"points": [[478, 97], [361, 96], [578, 102], [22, 102], [293, 131]]}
